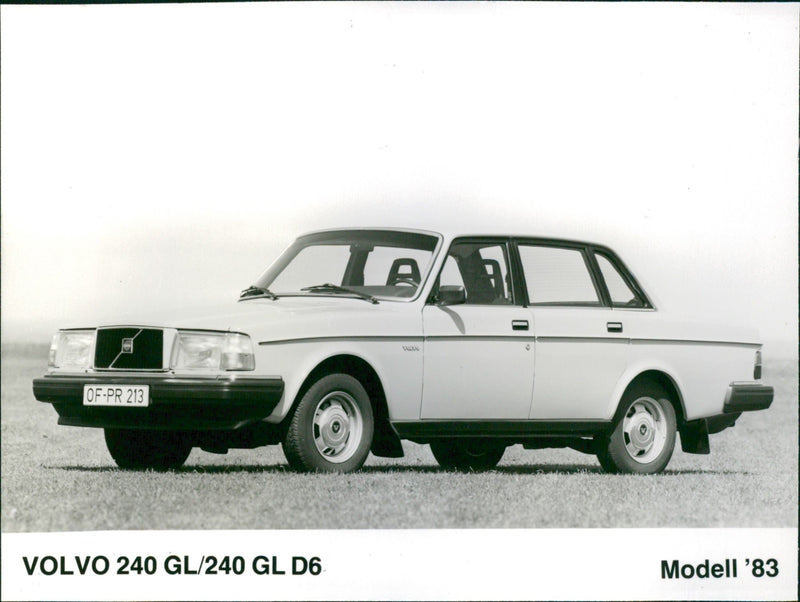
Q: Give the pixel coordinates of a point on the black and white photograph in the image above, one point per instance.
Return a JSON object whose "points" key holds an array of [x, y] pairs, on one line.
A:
{"points": [[399, 300]]}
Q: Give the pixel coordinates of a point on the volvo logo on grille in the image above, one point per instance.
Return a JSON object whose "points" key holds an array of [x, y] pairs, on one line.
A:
{"points": [[127, 345]]}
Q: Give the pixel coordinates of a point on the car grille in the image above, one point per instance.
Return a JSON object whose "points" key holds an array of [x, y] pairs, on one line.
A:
{"points": [[129, 349]]}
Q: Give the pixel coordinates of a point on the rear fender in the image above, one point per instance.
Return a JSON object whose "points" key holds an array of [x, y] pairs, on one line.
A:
{"points": [[657, 371]]}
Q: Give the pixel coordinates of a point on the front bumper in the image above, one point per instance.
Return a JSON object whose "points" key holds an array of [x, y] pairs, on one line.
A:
{"points": [[176, 403]]}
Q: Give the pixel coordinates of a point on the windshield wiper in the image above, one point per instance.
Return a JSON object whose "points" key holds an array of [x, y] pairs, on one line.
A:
{"points": [[335, 288], [257, 292]]}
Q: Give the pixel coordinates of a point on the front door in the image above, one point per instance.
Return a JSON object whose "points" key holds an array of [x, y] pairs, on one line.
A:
{"points": [[479, 355]]}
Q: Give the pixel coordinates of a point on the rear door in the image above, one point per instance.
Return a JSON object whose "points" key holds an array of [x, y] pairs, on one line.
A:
{"points": [[478, 356], [581, 342]]}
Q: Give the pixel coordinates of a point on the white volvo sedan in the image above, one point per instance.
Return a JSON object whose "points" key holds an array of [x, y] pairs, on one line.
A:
{"points": [[356, 339]]}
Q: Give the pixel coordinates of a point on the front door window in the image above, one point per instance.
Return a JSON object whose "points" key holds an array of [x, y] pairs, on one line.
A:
{"points": [[482, 269]]}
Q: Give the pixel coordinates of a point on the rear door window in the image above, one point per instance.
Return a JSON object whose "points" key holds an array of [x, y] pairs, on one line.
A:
{"points": [[557, 276]]}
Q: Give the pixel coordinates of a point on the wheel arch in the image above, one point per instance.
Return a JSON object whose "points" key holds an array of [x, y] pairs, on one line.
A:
{"points": [[385, 442], [665, 381]]}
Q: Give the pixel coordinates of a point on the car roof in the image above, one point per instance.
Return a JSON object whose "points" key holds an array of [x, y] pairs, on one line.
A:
{"points": [[449, 234]]}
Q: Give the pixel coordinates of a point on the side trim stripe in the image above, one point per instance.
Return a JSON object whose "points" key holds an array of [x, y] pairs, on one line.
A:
{"points": [[548, 339], [342, 338], [694, 342], [481, 337], [543, 339]]}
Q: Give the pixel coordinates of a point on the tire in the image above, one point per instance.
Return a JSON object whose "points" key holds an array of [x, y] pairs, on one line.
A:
{"points": [[643, 438], [332, 427], [467, 454], [138, 450]]}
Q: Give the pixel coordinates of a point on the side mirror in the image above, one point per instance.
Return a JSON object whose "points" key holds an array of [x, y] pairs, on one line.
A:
{"points": [[451, 295]]}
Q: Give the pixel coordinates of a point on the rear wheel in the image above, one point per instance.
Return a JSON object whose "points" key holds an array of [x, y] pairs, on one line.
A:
{"points": [[332, 427], [467, 454], [159, 450], [643, 438]]}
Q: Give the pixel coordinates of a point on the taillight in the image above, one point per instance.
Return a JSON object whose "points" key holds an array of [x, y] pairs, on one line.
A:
{"points": [[757, 367]]}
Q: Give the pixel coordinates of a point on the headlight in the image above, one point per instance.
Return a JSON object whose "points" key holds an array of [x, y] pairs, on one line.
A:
{"points": [[213, 351], [238, 353], [71, 349]]}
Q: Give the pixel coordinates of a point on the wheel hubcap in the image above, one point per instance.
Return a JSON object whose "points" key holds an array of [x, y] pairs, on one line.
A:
{"points": [[337, 426], [644, 430]]}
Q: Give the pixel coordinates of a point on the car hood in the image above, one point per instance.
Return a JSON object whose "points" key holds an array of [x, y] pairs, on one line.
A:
{"points": [[288, 317]]}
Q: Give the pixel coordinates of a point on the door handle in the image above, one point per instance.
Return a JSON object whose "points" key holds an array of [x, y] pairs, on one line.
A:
{"points": [[519, 324], [614, 326]]}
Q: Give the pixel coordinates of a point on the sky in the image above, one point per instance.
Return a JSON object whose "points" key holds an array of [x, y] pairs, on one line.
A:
{"points": [[158, 157]]}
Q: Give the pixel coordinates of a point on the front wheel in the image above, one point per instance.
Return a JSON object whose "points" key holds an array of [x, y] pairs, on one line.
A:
{"points": [[331, 429], [138, 450], [643, 438], [467, 454]]}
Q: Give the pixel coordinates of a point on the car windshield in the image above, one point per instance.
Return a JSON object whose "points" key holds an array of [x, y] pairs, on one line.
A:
{"points": [[383, 264]]}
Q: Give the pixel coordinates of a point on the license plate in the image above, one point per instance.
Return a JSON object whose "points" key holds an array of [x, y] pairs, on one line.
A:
{"points": [[129, 396]]}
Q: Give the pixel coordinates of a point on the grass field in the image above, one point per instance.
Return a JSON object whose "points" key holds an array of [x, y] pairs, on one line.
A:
{"points": [[62, 479]]}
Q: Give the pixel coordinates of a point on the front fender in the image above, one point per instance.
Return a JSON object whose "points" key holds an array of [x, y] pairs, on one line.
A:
{"points": [[397, 361]]}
